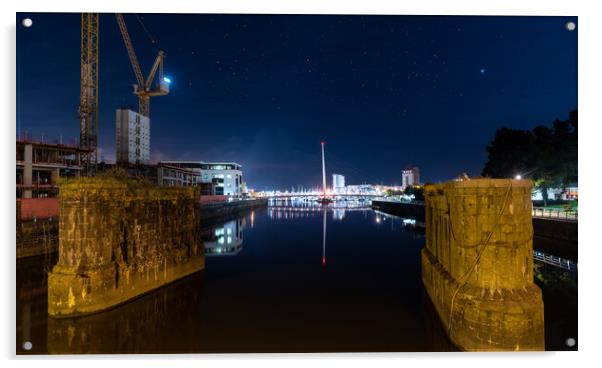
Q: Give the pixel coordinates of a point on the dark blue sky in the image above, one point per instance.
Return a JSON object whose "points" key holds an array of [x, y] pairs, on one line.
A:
{"points": [[261, 90]]}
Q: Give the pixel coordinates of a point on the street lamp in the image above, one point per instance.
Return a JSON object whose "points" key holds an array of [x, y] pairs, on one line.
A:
{"points": [[518, 177]]}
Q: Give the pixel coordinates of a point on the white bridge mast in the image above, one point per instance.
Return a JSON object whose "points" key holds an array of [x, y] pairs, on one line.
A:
{"points": [[323, 172]]}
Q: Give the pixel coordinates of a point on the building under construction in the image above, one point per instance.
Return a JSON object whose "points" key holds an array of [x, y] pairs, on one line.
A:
{"points": [[40, 164]]}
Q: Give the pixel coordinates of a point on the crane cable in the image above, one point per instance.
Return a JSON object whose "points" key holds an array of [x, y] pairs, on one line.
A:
{"points": [[148, 34]]}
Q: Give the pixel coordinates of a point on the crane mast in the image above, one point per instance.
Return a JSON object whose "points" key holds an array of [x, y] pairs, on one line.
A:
{"points": [[143, 89], [88, 96]]}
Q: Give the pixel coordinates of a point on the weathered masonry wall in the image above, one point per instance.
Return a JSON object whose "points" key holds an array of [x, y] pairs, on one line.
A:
{"points": [[477, 266], [37, 237], [37, 227], [118, 239]]}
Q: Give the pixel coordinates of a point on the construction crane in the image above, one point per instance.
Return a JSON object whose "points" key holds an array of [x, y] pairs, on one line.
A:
{"points": [[144, 89], [88, 95]]}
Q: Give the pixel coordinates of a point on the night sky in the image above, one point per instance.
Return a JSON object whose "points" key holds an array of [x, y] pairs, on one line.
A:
{"points": [[263, 91]]}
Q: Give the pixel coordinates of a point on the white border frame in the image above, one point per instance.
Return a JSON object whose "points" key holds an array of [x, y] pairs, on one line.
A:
{"points": [[590, 30]]}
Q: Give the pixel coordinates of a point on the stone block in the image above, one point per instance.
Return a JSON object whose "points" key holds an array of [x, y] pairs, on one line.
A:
{"points": [[119, 239], [483, 288]]}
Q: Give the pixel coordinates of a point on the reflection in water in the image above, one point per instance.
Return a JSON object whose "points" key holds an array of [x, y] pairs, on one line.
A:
{"points": [[155, 323], [559, 289], [412, 226], [32, 303], [338, 214], [225, 239], [292, 209], [555, 261], [275, 297], [324, 239]]}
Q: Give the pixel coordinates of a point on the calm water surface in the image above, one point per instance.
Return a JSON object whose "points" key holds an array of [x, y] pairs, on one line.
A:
{"points": [[289, 278]]}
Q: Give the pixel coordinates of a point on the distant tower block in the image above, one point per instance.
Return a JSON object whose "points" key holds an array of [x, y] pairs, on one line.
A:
{"points": [[132, 137], [477, 266], [338, 182], [410, 176]]}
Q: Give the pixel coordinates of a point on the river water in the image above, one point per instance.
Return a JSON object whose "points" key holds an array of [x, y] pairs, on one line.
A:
{"points": [[293, 277]]}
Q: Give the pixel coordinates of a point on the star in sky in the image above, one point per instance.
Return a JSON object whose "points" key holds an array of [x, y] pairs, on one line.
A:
{"points": [[363, 70]]}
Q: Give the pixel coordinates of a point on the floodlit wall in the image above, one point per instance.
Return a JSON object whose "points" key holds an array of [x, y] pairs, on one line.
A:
{"points": [[119, 238], [477, 266]]}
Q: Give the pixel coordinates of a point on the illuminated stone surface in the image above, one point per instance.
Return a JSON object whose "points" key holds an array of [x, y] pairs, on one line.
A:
{"points": [[477, 266], [118, 239]]}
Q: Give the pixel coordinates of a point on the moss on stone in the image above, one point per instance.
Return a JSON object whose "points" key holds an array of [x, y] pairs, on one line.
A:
{"points": [[120, 237]]}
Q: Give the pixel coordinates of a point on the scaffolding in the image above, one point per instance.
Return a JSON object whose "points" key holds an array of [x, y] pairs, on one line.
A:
{"points": [[88, 98]]}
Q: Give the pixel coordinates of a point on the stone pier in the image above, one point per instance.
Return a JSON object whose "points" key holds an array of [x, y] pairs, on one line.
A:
{"points": [[477, 266], [118, 239]]}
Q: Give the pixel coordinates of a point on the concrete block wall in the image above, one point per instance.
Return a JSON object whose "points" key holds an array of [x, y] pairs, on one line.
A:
{"points": [[477, 265], [118, 239], [36, 238]]}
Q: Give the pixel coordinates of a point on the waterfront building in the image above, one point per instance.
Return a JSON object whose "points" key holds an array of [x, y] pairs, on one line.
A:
{"points": [[571, 192], [40, 164], [173, 176], [360, 189], [338, 183], [132, 141], [164, 175], [410, 176], [226, 177]]}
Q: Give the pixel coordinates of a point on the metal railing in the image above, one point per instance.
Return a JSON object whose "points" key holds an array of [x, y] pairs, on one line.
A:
{"points": [[555, 213], [555, 261]]}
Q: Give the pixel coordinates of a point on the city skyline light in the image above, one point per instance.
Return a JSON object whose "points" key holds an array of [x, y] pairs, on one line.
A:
{"points": [[265, 90]]}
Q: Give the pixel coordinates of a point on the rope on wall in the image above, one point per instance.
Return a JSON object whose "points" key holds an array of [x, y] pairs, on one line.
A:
{"points": [[481, 249]]}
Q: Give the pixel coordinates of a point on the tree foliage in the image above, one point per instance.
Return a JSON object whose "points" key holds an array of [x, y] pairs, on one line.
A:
{"points": [[417, 191], [391, 192], [547, 155]]}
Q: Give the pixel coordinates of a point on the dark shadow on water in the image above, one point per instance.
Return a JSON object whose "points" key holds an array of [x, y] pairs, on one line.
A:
{"points": [[559, 289]]}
